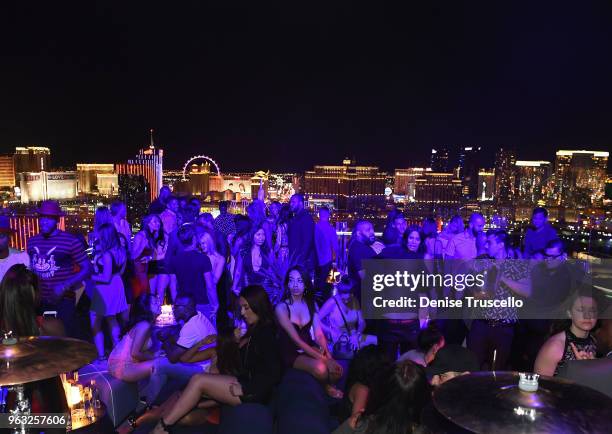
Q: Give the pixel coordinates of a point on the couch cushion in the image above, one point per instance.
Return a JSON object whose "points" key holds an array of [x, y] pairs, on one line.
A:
{"points": [[119, 397]]}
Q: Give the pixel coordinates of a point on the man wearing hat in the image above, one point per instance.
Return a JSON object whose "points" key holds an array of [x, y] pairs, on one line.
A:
{"points": [[60, 261], [8, 256]]}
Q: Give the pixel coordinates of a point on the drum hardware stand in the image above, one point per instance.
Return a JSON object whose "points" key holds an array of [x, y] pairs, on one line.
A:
{"points": [[22, 406]]}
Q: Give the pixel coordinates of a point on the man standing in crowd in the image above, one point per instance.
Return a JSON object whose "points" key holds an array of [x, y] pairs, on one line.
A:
{"points": [[301, 234], [363, 245], [224, 223], [170, 216], [394, 233], [454, 227], [460, 249], [553, 281], [8, 256], [159, 205], [494, 332], [540, 233], [463, 245], [326, 242], [193, 271], [60, 261]]}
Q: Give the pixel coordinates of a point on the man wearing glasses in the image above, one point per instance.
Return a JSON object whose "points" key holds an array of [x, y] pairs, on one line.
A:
{"points": [[553, 280]]}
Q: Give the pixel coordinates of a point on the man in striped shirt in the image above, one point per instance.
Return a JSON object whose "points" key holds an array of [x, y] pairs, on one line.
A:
{"points": [[60, 261]]}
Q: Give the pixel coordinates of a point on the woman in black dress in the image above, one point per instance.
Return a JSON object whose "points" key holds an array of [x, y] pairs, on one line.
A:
{"points": [[259, 365], [302, 341]]}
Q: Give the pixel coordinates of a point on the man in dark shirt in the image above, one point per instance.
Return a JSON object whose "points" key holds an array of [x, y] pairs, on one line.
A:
{"points": [[362, 246], [540, 234], [193, 272], [553, 280], [224, 222], [301, 233], [60, 261]]}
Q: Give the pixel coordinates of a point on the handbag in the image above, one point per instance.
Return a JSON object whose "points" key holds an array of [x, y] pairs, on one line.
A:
{"points": [[342, 347]]}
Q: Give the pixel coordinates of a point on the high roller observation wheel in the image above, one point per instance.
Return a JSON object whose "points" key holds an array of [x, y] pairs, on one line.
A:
{"points": [[200, 157]]}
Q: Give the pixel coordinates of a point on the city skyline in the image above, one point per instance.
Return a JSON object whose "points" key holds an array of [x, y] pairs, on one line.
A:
{"points": [[292, 87], [486, 159]]}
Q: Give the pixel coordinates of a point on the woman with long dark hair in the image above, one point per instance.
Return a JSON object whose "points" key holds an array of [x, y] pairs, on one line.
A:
{"points": [[281, 244], [19, 301], [302, 341], [253, 264], [259, 365], [145, 248], [102, 216], [399, 330], [132, 359], [108, 300]]}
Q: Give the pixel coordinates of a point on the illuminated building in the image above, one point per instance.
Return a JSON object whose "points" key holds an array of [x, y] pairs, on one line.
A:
{"points": [[108, 184], [352, 187], [281, 186], [233, 186], [469, 165], [438, 188], [532, 178], [486, 185], [26, 226], [31, 159], [7, 171], [172, 178], [79, 217], [405, 181], [134, 192], [40, 186], [580, 178], [505, 176], [199, 179], [88, 176], [149, 164]]}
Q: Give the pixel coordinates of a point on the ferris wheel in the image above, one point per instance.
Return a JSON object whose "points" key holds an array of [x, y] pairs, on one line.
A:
{"points": [[200, 157]]}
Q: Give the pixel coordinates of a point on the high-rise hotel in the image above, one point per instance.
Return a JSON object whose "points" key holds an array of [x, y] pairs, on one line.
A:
{"points": [[349, 186], [580, 178], [148, 164]]}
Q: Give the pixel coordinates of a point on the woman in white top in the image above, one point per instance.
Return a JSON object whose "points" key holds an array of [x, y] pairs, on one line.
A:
{"points": [[108, 299]]}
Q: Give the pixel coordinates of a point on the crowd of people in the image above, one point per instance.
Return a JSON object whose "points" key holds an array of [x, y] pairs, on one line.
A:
{"points": [[255, 295]]}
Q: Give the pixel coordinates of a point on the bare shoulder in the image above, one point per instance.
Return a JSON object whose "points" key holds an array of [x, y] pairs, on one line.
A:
{"points": [[555, 342], [281, 309]]}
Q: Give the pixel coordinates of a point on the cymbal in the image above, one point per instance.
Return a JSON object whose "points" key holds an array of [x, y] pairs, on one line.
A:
{"points": [[40, 357], [487, 402]]}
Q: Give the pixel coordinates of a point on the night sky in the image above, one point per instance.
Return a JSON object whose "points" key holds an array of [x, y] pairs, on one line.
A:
{"points": [[286, 87]]}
